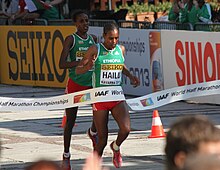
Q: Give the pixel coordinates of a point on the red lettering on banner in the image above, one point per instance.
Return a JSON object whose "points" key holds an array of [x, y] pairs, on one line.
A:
{"points": [[218, 59], [197, 62], [180, 77], [187, 63], [209, 57], [196, 65]]}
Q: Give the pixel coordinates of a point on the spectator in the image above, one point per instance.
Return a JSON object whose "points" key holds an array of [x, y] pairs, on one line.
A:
{"points": [[32, 9], [204, 11], [54, 12], [202, 162], [26, 11], [9, 7], [190, 135], [74, 49], [174, 11], [181, 11], [43, 165], [191, 11], [59, 5]]}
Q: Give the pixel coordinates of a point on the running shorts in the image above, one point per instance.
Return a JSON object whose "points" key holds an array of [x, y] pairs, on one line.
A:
{"points": [[74, 87], [105, 105]]}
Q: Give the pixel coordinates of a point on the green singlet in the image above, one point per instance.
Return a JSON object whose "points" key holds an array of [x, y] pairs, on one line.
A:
{"points": [[77, 52], [108, 67]]}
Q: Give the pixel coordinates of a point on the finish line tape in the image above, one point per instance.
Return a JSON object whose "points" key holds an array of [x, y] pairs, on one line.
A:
{"points": [[113, 93], [168, 96]]}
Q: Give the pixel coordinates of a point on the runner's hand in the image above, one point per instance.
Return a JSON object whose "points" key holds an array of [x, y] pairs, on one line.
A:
{"points": [[135, 81], [88, 64]]}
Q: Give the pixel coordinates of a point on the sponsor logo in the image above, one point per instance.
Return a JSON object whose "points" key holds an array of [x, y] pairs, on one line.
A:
{"points": [[101, 93], [164, 96], [83, 48], [111, 61], [90, 42], [80, 42], [147, 102], [105, 53], [133, 104], [82, 98], [116, 53], [112, 66], [116, 92], [196, 62]]}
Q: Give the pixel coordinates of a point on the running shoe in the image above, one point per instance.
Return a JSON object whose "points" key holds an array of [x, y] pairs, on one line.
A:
{"points": [[66, 164], [94, 138], [117, 159]]}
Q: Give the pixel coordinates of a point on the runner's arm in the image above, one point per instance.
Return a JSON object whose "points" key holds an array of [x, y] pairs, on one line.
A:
{"points": [[133, 79], [94, 38], [88, 60], [63, 63]]}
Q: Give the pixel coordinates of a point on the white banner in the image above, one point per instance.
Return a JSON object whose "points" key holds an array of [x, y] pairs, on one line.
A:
{"points": [[191, 57], [164, 97], [113, 93]]}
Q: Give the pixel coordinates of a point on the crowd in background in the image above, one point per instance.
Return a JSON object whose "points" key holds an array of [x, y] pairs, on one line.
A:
{"points": [[46, 9], [183, 11], [30, 10], [191, 11]]}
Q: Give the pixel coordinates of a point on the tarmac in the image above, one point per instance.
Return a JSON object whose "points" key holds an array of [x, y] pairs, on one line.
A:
{"points": [[28, 136]]}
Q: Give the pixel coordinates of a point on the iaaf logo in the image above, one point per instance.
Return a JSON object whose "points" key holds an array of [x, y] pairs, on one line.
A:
{"points": [[101, 93], [147, 102], [82, 98], [164, 96]]}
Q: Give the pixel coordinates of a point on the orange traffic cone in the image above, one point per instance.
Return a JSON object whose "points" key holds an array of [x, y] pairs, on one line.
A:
{"points": [[64, 121], [157, 127]]}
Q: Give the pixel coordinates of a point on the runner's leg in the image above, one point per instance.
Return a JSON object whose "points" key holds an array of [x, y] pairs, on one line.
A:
{"points": [[121, 115], [101, 122], [71, 114]]}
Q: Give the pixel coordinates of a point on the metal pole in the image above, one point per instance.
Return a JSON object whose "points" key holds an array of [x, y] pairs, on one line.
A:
{"points": [[109, 4]]}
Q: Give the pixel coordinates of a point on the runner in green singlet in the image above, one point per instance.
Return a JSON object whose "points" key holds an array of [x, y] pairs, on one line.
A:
{"points": [[74, 49], [107, 61]]}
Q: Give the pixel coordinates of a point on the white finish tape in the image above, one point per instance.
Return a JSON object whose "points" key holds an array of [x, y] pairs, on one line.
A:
{"points": [[167, 96], [113, 93]]}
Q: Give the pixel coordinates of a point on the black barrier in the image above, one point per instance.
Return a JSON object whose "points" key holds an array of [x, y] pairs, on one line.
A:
{"points": [[3, 20], [172, 25], [100, 22], [134, 24], [37, 21], [212, 27], [60, 22]]}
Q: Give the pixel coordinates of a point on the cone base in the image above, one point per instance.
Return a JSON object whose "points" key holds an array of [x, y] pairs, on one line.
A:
{"points": [[161, 136]]}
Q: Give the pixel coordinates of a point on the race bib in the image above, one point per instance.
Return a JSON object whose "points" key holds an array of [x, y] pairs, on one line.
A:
{"points": [[111, 74]]}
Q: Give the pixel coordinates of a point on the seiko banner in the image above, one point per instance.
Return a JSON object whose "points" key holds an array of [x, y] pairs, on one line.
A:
{"points": [[29, 55]]}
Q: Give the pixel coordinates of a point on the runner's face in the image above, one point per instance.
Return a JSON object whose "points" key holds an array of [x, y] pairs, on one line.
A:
{"points": [[111, 39], [82, 23]]}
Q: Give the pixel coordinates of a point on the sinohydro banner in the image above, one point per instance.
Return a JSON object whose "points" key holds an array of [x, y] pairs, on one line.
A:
{"points": [[191, 57], [29, 55]]}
